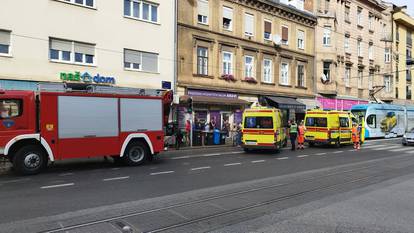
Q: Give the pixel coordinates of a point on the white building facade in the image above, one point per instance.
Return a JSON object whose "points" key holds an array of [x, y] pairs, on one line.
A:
{"points": [[127, 43]]}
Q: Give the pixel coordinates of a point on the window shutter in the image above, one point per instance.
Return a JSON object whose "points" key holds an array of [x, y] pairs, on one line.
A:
{"points": [[132, 56], [4, 37], [285, 33], [249, 23], [84, 48], [62, 45], [268, 27], [203, 7], [150, 62], [228, 13]]}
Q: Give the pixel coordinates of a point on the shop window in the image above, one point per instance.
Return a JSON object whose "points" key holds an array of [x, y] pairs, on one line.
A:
{"points": [[10, 108], [343, 122], [140, 61], [372, 121]]}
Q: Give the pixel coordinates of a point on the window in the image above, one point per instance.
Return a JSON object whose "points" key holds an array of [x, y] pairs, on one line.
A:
{"points": [[72, 52], [203, 11], [360, 79], [4, 42], [284, 74], [301, 39], [387, 83], [140, 61], [88, 3], [359, 48], [396, 92], [327, 71], [346, 43], [227, 63], [248, 66], [371, 23], [372, 121], [408, 53], [202, 60], [344, 122], [301, 76], [258, 122], [359, 16], [371, 52], [267, 71], [141, 10], [316, 121], [408, 74], [408, 92], [327, 36], [397, 73], [10, 108], [347, 77], [227, 18], [347, 11], [387, 55], [267, 30], [370, 80], [409, 38], [285, 35], [248, 24]]}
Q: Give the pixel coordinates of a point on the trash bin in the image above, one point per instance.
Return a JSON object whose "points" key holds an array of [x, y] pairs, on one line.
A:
{"points": [[197, 138], [223, 136], [208, 140], [216, 137]]}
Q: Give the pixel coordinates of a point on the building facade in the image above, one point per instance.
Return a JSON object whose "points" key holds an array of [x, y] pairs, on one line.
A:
{"points": [[127, 43], [402, 53], [232, 53], [353, 52]]}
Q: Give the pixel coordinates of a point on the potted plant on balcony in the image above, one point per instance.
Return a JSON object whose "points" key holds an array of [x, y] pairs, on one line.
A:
{"points": [[228, 77], [250, 80]]}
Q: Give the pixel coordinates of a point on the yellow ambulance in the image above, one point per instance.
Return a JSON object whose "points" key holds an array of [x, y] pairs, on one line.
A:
{"points": [[262, 129], [330, 127]]}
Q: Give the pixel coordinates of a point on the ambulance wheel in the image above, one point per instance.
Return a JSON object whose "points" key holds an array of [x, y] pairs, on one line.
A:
{"points": [[311, 144], [29, 160], [136, 153], [247, 150]]}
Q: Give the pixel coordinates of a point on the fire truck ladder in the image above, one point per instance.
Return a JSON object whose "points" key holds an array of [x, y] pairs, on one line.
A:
{"points": [[91, 88]]}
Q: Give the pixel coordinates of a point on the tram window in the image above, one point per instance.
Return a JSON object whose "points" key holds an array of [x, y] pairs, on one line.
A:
{"points": [[372, 121]]}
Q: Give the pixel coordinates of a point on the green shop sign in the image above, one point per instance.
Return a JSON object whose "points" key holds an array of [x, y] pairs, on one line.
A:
{"points": [[86, 78]]}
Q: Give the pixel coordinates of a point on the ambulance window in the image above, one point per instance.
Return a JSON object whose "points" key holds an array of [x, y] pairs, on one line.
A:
{"points": [[10, 108], [259, 122], [372, 121], [343, 122], [316, 121]]}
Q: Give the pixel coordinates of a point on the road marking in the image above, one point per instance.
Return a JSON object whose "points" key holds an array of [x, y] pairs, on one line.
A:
{"points": [[57, 186], [385, 147], [181, 157], [338, 152], [259, 161], [66, 174], [352, 150], [115, 168], [373, 146], [235, 152], [410, 152], [116, 178], [401, 149], [200, 168], [231, 164], [161, 173], [14, 181], [302, 156], [283, 158], [213, 154], [321, 153]]}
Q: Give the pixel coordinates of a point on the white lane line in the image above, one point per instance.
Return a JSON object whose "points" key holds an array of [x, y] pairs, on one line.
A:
{"points": [[401, 149], [338, 152], [410, 152], [231, 164], [66, 174], [283, 158], [321, 153], [235, 152], [385, 147], [352, 150], [213, 154], [181, 157], [161, 173], [116, 178], [373, 146], [259, 161], [302, 156], [14, 181], [57, 186], [200, 168], [115, 168]]}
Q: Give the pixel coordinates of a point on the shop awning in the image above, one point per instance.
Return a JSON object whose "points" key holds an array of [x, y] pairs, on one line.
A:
{"points": [[310, 103], [285, 103], [215, 100]]}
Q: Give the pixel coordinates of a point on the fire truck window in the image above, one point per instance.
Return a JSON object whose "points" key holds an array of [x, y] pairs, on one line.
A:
{"points": [[316, 121], [343, 122], [372, 121], [259, 122], [10, 108]]}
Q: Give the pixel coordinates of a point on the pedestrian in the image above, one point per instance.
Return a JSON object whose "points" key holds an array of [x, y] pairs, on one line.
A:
{"points": [[301, 136], [178, 136], [187, 132], [355, 136], [293, 133]]}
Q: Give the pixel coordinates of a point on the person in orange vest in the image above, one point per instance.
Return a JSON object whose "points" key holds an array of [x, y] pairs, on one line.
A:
{"points": [[355, 136], [301, 136]]}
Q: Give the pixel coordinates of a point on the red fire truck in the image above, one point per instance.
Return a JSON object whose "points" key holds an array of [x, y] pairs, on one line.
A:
{"points": [[57, 122]]}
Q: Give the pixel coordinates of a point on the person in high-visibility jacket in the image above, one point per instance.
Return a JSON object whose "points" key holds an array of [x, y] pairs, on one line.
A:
{"points": [[293, 133], [301, 136], [356, 136]]}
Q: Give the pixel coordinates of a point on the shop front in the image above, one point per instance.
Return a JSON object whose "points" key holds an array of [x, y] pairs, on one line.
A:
{"points": [[339, 103], [291, 108]]}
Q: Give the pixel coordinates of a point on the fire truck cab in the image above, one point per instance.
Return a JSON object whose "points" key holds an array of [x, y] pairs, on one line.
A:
{"points": [[56, 123]]}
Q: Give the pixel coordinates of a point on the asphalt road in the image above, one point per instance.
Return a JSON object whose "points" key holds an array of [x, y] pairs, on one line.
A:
{"points": [[221, 190]]}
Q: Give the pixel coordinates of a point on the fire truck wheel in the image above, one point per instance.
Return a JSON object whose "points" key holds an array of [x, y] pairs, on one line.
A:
{"points": [[136, 153], [29, 160]]}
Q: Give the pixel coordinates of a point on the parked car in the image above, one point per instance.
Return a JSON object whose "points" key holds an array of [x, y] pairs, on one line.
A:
{"points": [[408, 138]]}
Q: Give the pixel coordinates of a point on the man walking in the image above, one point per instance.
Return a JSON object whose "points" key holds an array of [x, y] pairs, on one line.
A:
{"points": [[293, 133]]}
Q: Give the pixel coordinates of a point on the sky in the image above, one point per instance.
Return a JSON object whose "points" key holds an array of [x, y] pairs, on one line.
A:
{"points": [[408, 3]]}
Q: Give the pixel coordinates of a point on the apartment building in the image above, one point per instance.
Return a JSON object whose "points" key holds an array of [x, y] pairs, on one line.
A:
{"points": [[402, 52], [126, 43], [236, 52], [353, 52]]}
